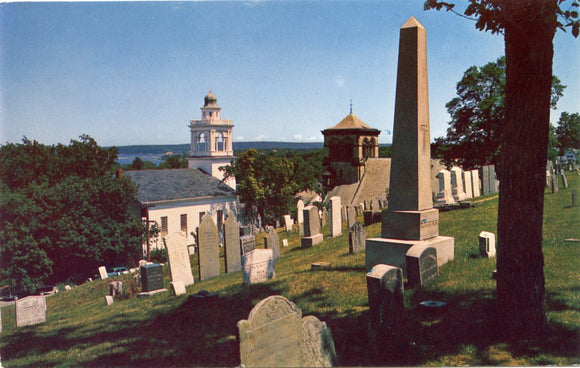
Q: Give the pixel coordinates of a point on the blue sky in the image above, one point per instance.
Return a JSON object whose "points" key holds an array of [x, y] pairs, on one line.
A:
{"points": [[136, 72]]}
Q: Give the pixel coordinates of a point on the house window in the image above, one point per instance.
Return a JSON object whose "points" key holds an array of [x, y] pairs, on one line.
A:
{"points": [[184, 223], [201, 214], [163, 226]]}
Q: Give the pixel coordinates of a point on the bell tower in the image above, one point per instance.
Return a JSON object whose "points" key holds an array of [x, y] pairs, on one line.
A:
{"points": [[211, 141]]}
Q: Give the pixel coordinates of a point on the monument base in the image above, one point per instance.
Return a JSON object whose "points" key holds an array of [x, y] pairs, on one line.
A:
{"points": [[393, 251], [420, 225], [146, 294], [309, 241]]}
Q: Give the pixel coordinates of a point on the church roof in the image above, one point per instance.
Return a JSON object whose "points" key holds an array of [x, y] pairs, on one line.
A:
{"points": [[175, 184], [351, 121]]}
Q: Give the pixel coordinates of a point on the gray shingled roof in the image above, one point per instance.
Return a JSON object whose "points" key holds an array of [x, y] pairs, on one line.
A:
{"points": [[172, 184]]}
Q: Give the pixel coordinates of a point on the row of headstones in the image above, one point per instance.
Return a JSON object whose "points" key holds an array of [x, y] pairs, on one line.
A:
{"points": [[458, 185], [552, 181]]}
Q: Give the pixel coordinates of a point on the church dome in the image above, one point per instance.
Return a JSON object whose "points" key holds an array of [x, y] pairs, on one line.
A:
{"points": [[210, 100]]}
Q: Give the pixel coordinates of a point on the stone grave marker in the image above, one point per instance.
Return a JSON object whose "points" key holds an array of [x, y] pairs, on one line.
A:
{"points": [[467, 184], [272, 241], [285, 242], [300, 216], [421, 265], [178, 258], [445, 195], [486, 244], [555, 184], [30, 310], [209, 261], [489, 182], [324, 217], [178, 288], [288, 223], [103, 273], [356, 238], [475, 184], [247, 243], [335, 217], [312, 235], [276, 335], [385, 292], [258, 266], [151, 277], [574, 197], [232, 244], [350, 216], [457, 184], [564, 180], [115, 288], [109, 299]]}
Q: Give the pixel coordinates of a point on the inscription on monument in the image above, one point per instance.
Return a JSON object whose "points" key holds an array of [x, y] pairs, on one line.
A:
{"points": [[30, 311]]}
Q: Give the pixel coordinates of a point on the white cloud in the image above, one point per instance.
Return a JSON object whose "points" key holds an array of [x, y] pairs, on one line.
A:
{"points": [[339, 82], [240, 138], [298, 137], [260, 137]]}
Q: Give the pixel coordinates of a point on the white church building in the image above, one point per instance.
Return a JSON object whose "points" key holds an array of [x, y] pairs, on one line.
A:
{"points": [[177, 199]]}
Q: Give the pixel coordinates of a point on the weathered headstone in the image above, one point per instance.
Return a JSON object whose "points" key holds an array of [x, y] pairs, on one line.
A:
{"points": [[475, 184], [115, 288], [103, 273], [489, 182], [272, 241], [555, 184], [285, 242], [356, 238], [324, 217], [151, 277], [209, 261], [276, 335], [385, 292], [467, 184], [258, 266], [288, 223], [109, 299], [178, 258], [410, 218], [564, 180], [350, 216], [178, 288], [421, 265], [30, 310], [487, 244], [445, 195], [312, 235], [232, 244], [335, 217], [457, 184], [248, 243], [300, 217]]}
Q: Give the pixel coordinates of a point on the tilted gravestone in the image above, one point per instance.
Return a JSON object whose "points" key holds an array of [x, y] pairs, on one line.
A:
{"points": [[30, 310], [232, 244], [272, 241], [178, 288], [247, 243], [288, 223], [109, 300], [486, 244], [312, 235], [151, 277], [258, 266], [356, 239], [421, 265], [103, 273], [385, 292], [178, 258], [564, 180], [335, 217], [209, 261], [276, 335]]}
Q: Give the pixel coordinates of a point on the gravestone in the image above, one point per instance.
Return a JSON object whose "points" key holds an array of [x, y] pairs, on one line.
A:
{"points": [[30, 310], [258, 266], [574, 197], [300, 217], [232, 244], [288, 223], [350, 216], [272, 241], [285, 242], [421, 265], [467, 184], [103, 273], [276, 335], [312, 235], [385, 292], [178, 288], [457, 184], [489, 181], [475, 183], [486, 244], [247, 243], [151, 277], [324, 217], [178, 258], [445, 195], [356, 238], [555, 184], [410, 218], [335, 217], [564, 180], [115, 288], [109, 299], [209, 261]]}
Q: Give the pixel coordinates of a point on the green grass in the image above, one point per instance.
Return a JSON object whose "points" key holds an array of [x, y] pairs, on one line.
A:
{"points": [[177, 331]]}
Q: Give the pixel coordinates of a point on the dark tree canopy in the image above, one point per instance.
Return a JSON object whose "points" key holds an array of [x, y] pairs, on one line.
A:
{"points": [[568, 131], [64, 213]]}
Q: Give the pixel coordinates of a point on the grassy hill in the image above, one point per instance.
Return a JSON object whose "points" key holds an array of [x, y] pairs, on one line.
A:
{"points": [[179, 331]]}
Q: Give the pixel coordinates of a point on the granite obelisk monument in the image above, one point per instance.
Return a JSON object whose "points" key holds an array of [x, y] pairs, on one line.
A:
{"points": [[410, 218]]}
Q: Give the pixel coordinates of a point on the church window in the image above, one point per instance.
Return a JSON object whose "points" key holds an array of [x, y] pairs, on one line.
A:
{"points": [[164, 225], [220, 142], [183, 221], [202, 143]]}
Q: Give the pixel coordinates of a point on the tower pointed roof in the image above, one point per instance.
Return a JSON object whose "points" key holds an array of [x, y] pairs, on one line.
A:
{"points": [[351, 121]]}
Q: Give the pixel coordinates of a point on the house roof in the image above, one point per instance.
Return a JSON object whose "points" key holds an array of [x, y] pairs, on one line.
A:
{"points": [[351, 121], [174, 184]]}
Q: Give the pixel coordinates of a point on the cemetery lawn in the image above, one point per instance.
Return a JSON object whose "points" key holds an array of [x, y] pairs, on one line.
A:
{"points": [[164, 330]]}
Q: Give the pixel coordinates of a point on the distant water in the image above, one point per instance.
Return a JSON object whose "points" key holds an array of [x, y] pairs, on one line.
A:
{"points": [[128, 159]]}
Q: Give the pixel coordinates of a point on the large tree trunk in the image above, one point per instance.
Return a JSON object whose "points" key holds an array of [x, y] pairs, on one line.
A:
{"points": [[529, 30]]}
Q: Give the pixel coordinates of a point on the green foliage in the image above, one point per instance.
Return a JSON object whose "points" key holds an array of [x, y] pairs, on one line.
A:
{"points": [[159, 255], [66, 217], [268, 182], [477, 117], [568, 131], [173, 162]]}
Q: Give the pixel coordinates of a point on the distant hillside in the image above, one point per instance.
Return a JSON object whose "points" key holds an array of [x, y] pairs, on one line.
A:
{"points": [[238, 146]]}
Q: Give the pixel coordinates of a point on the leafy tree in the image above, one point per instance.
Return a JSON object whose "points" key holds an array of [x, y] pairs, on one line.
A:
{"points": [[528, 27], [137, 163], [66, 217], [477, 116], [173, 162], [553, 144], [568, 131]]}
